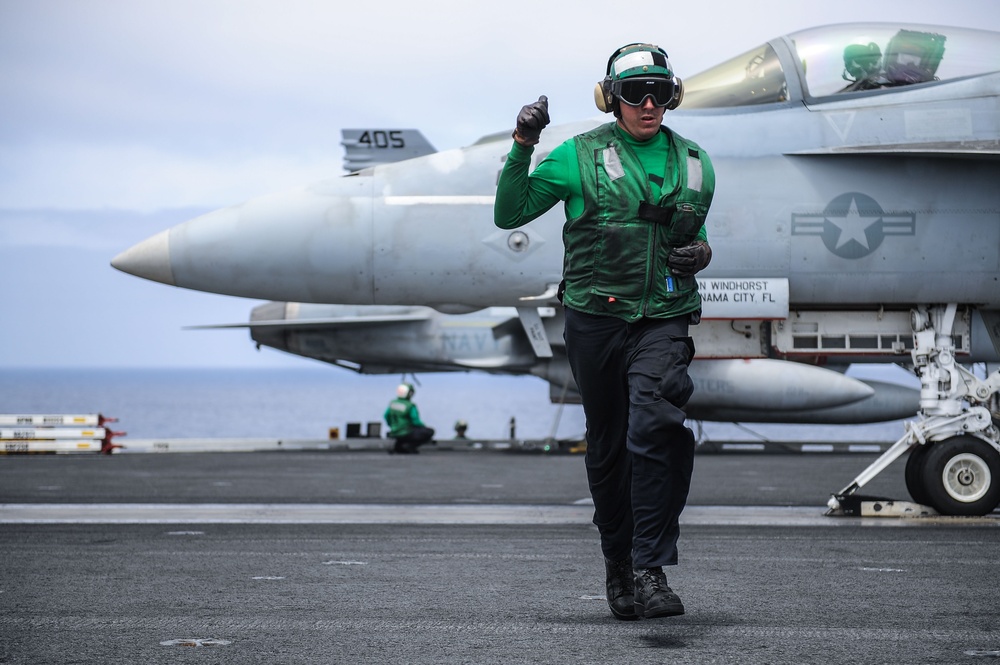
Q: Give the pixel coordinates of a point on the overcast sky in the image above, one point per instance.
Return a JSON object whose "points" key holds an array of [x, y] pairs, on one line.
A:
{"points": [[122, 118]]}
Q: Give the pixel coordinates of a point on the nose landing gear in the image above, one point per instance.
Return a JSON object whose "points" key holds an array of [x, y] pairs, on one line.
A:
{"points": [[954, 461]]}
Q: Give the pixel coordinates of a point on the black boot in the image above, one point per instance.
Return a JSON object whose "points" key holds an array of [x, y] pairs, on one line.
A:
{"points": [[619, 588], [653, 598]]}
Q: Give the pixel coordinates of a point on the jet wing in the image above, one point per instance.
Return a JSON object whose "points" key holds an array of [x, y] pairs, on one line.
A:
{"points": [[950, 149], [335, 322]]}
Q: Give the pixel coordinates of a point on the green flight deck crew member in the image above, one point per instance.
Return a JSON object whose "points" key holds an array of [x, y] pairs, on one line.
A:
{"points": [[636, 197], [404, 422]]}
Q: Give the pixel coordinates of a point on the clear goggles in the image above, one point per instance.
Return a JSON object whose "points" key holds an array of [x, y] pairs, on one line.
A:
{"points": [[633, 91]]}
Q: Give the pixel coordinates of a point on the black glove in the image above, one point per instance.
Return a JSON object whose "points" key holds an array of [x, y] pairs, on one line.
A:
{"points": [[532, 120], [686, 261]]}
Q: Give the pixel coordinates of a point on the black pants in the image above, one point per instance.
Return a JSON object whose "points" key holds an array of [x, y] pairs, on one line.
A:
{"points": [[633, 379], [415, 438]]}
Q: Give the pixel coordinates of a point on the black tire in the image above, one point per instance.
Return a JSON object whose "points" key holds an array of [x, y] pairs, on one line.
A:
{"points": [[914, 474], [961, 476]]}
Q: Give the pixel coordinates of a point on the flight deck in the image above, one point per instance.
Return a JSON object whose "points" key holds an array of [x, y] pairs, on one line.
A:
{"points": [[468, 557]]}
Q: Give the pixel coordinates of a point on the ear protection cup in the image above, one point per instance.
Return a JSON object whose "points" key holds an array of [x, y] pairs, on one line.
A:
{"points": [[603, 97], [678, 97]]}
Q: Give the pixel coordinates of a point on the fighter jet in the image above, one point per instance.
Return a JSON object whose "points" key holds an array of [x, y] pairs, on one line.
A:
{"points": [[856, 219]]}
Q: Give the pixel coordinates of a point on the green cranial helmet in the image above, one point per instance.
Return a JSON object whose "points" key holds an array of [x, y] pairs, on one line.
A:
{"points": [[635, 71], [639, 60]]}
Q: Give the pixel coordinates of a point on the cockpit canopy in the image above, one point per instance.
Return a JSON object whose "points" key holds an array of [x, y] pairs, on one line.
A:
{"points": [[843, 59]]}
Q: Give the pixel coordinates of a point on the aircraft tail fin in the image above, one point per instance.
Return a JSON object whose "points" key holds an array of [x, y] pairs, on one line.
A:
{"points": [[365, 148]]}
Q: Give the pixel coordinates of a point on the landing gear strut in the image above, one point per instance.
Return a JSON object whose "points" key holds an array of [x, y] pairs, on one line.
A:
{"points": [[954, 463]]}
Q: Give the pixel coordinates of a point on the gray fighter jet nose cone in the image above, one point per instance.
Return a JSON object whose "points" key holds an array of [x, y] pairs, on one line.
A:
{"points": [[149, 259]]}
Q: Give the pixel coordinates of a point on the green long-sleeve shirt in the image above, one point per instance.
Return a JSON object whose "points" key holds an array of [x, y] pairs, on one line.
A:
{"points": [[522, 197], [402, 416], [626, 207]]}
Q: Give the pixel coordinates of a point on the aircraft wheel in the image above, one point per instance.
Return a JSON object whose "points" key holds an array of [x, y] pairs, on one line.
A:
{"points": [[914, 474], [961, 476]]}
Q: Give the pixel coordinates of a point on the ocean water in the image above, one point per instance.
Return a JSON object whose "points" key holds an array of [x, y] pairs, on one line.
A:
{"points": [[300, 403], [304, 403]]}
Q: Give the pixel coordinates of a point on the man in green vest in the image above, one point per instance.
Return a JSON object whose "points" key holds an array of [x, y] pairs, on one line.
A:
{"points": [[404, 423], [636, 196]]}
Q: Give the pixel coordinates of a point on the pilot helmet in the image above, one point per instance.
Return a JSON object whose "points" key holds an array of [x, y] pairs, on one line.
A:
{"points": [[635, 72], [404, 391]]}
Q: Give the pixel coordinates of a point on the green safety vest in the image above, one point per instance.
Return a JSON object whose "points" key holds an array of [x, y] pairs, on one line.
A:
{"points": [[401, 415], [616, 250]]}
